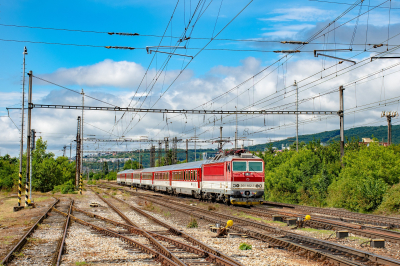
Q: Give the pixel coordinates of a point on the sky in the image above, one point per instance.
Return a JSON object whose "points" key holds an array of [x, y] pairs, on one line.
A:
{"points": [[225, 60]]}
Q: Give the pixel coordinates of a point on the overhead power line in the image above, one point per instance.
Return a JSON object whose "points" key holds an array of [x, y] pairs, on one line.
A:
{"points": [[173, 111]]}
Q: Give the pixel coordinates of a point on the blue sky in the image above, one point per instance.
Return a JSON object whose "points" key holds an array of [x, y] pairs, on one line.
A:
{"points": [[114, 75]]}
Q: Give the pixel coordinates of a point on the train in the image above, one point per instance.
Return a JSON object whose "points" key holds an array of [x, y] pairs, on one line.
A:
{"points": [[233, 177]]}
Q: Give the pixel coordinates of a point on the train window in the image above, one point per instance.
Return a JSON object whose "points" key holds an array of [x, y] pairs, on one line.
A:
{"points": [[239, 166], [228, 167], [195, 175], [255, 166]]}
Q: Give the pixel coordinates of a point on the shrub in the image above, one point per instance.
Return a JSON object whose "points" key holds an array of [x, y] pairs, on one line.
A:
{"points": [[245, 246], [192, 223], [66, 188], [391, 201]]}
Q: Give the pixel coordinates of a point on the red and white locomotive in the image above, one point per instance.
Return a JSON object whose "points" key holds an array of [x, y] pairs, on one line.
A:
{"points": [[234, 177]]}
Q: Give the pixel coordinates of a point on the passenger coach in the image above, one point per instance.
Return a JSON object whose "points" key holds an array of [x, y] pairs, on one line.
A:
{"points": [[234, 177]]}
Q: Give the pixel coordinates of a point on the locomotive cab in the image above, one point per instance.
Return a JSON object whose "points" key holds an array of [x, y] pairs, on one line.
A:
{"points": [[247, 179]]}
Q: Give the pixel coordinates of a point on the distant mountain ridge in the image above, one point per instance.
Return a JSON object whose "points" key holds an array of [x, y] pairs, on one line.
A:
{"points": [[334, 135]]}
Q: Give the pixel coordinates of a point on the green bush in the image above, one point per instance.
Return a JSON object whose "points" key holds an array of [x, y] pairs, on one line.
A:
{"points": [[367, 174], [391, 201], [66, 188], [245, 246]]}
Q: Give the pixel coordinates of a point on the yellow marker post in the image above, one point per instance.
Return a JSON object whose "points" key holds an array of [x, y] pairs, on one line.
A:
{"points": [[307, 218], [80, 184]]}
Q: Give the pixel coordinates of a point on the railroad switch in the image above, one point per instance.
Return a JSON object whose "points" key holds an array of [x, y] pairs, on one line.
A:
{"points": [[342, 234], [277, 218], [378, 243]]}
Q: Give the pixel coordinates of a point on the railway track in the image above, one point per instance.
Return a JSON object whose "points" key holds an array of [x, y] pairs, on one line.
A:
{"points": [[190, 250], [344, 215], [40, 244], [319, 250], [321, 222]]}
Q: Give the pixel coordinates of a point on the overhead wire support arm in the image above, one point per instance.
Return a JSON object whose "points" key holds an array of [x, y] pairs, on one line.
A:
{"points": [[156, 51], [183, 111], [334, 57], [330, 50], [163, 47]]}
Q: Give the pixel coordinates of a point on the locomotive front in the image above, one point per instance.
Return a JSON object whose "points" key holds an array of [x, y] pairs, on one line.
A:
{"points": [[247, 179]]}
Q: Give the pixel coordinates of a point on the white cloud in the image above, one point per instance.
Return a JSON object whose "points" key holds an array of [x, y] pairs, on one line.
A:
{"points": [[59, 126], [122, 74], [299, 14]]}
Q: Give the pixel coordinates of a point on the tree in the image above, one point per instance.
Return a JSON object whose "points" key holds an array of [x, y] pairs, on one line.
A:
{"points": [[130, 164]]}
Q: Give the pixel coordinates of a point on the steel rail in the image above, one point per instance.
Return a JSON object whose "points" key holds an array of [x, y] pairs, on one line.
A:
{"points": [[159, 247], [182, 234], [369, 218], [208, 256], [60, 246], [159, 257], [288, 237], [328, 224], [23, 239]]}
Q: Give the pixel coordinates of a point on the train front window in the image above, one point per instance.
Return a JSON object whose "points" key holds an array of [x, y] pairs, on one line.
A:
{"points": [[239, 166], [255, 166]]}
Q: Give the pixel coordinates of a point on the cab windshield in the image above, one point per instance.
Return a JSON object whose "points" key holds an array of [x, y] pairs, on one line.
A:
{"points": [[255, 166], [239, 166]]}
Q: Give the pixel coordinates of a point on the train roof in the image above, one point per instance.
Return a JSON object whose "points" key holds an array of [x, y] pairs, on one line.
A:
{"points": [[181, 166], [192, 165]]}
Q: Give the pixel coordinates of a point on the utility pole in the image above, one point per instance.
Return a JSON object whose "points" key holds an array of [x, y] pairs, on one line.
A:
{"points": [[159, 153], [33, 133], [21, 148], [152, 156], [341, 115], [78, 152], [64, 149], [297, 116], [81, 141], [187, 152], [28, 139], [220, 138], [389, 116], [195, 142], [166, 150], [70, 151], [236, 132]]}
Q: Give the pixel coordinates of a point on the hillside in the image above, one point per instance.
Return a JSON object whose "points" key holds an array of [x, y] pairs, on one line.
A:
{"points": [[328, 136], [325, 137]]}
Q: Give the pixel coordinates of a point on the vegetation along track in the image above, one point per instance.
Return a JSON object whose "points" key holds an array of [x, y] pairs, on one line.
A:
{"points": [[40, 245], [202, 252], [319, 250], [344, 215]]}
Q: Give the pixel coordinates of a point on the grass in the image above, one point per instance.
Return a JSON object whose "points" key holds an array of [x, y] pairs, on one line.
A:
{"points": [[318, 231], [81, 263], [40, 199], [243, 215], [167, 214], [245, 246], [193, 223]]}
